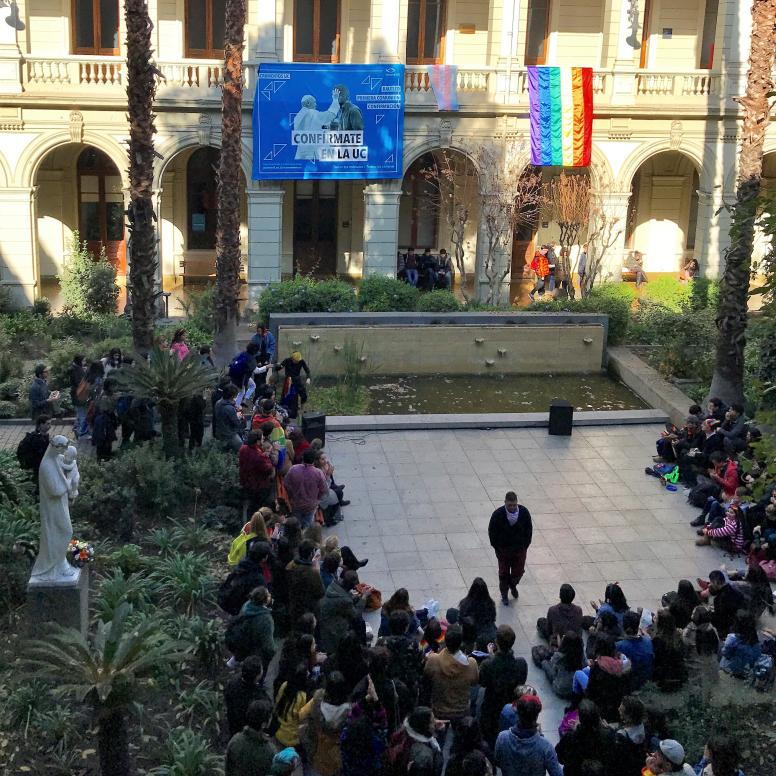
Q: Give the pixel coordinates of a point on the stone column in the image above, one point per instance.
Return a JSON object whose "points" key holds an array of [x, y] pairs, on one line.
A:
{"points": [[381, 227], [615, 205], [265, 236], [261, 29], [18, 258], [713, 232], [628, 17], [388, 30], [10, 54]]}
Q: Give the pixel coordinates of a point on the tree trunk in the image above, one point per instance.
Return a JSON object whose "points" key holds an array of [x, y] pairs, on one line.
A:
{"points": [[141, 89], [728, 380], [228, 233], [113, 743]]}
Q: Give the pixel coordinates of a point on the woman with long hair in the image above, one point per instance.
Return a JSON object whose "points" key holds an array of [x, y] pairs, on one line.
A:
{"points": [[668, 669], [480, 610], [398, 602], [682, 602], [468, 738], [178, 345], [742, 647], [255, 529], [564, 663], [289, 701]]}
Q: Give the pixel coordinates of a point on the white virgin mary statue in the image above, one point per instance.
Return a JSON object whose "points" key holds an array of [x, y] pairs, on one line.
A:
{"points": [[58, 483]]}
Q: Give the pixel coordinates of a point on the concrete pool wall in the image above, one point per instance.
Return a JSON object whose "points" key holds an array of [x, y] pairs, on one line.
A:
{"points": [[447, 343]]}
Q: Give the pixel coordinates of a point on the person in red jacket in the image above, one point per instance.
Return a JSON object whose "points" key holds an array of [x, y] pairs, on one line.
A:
{"points": [[541, 268], [256, 473]]}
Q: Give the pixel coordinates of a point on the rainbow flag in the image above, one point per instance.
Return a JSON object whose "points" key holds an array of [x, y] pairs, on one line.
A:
{"points": [[561, 115]]}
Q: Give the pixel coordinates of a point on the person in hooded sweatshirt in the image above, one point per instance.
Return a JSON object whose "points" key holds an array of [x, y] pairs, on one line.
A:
{"points": [[668, 760], [606, 683], [322, 720], [451, 674], [630, 738], [522, 750]]}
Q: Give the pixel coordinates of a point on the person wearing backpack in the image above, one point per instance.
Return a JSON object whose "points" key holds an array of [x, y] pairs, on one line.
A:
{"points": [[250, 751], [251, 572], [241, 370], [252, 632], [414, 748], [242, 690], [33, 447]]}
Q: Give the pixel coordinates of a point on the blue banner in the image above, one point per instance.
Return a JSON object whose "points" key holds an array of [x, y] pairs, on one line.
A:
{"points": [[320, 121]]}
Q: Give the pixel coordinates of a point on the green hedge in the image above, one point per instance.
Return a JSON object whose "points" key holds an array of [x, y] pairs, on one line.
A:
{"points": [[381, 294], [439, 301], [305, 295]]}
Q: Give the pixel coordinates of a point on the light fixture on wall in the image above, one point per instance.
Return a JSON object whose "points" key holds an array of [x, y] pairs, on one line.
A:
{"points": [[12, 20]]}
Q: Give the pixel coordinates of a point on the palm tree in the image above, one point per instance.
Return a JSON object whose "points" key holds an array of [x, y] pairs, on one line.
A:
{"points": [[228, 231], [105, 673], [728, 380], [166, 380], [141, 90]]}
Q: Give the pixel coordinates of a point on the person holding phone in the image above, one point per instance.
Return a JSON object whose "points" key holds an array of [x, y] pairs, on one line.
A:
{"points": [[43, 401]]}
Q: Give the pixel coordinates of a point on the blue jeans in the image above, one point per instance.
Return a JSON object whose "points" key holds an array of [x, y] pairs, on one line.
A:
{"points": [[412, 276], [551, 284], [305, 518], [80, 426]]}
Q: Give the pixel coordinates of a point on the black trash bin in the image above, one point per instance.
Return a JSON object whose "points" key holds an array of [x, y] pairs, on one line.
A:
{"points": [[314, 426], [561, 417]]}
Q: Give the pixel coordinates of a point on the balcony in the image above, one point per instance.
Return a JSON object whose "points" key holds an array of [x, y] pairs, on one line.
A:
{"points": [[196, 81]]}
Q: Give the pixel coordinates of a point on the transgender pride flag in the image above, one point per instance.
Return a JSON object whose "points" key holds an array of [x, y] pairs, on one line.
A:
{"points": [[561, 115]]}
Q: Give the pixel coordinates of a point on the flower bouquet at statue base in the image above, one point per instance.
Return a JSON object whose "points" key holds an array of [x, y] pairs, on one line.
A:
{"points": [[80, 553]]}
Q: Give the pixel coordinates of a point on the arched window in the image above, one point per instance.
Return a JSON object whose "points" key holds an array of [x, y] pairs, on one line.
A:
{"points": [[201, 196], [95, 27]]}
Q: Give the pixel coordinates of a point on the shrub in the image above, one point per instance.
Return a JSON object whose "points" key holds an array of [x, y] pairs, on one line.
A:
{"points": [[59, 359], [305, 295], [380, 294], [9, 390], [199, 308], [705, 293], [116, 588], [6, 300], [187, 754], [102, 347], [8, 409], [201, 707], [439, 301], [42, 307], [27, 333], [88, 284], [184, 581], [669, 292], [212, 472]]}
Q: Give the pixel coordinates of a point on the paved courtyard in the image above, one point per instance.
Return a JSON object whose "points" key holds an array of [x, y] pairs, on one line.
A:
{"points": [[421, 500]]}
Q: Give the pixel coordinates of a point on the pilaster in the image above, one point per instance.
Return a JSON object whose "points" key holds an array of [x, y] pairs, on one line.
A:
{"points": [[18, 260], [10, 54], [381, 227], [611, 206], [388, 30], [265, 236]]}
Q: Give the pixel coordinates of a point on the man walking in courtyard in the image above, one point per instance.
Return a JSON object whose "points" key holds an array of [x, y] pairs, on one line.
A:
{"points": [[510, 531]]}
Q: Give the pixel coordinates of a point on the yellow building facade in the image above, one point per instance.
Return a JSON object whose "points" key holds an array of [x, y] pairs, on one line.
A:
{"points": [[665, 131]]}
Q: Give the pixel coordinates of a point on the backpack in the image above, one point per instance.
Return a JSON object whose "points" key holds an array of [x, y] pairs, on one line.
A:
{"points": [[397, 755], [237, 637], [234, 591], [763, 673], [82, 391], [238, 368], [26, 453], [702, 491]]}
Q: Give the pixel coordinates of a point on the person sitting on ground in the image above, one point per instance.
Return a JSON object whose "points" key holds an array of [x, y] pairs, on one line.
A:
{"points": [[606, 625], [697, 460], [398, 602], [467, 738], [741, 648], [305, 588], [701, 647], [342, 610], [499, 675], [638, 649], [406, 658], [522, 750], [614, 602], [726, 602], [290, 699], [330, 568], [713, 513], [716, 409], [242, 690], [250, 750], [414, 748], [433, 639], [720, 758], [451, 675], [733, 429], [323, 718], [755, 588], [668, 668], [229, 423], [730, 536], [630, 740], [480, 609], [668, 760], [605, 683], [564, 663], [591, 740], [682, 602], [306, 486], [561, 618]]}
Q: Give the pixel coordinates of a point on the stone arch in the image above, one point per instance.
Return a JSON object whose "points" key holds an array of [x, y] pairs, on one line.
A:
{"points": [[191, 140], [5, 172], [34, 154], [415, 151], [647, 150]]}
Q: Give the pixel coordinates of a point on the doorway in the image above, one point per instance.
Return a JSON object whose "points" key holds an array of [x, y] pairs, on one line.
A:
{"points": [[101, 207], [315, 228]]}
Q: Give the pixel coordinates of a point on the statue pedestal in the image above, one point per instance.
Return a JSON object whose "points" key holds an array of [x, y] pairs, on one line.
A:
{"points": [[65, 602]]}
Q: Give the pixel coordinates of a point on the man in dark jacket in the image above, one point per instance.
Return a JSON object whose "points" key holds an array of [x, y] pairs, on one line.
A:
{"points": [[43, 401], [33, 447], [561, 618], [305, 587], [249, 574], [510, 531], [339, 610], [727, 601], [590, 740], [499, 675], [251, 751], [229, 425], [256, 473], [241, 691]]}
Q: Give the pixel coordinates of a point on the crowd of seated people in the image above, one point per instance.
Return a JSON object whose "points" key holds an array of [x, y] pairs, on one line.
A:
{"points": [[426, 270]]}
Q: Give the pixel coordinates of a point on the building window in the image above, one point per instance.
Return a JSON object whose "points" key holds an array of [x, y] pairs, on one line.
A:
{"points": [[426, 32], [316, 30], [709, 33], [95, 27], [201, 199], [205, 21], [537, 32]]}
